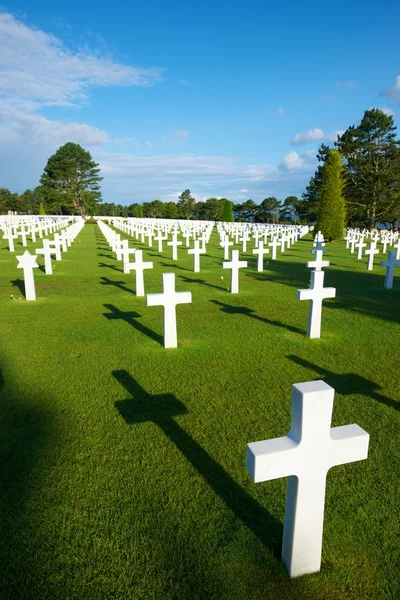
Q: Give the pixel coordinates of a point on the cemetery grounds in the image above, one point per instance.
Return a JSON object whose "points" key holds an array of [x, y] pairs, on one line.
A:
{"points": [[123, 469]]}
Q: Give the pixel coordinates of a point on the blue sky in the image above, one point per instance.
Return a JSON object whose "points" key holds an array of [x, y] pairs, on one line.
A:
{"points": [[227, 99]]}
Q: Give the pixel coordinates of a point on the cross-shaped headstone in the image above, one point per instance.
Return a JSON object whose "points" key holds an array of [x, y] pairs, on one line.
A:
{"points": [[274, 243], [47, 251], [27, 262], [390, 263], [125, 253], [372, 250], [397, 246], [196, 251], [305, 455], [318, 264], [360, 245], [159, 238], [316, 293], [235, 265], [10, 236], [169, 299], [138, 265], [225, 243], [260, 251], [174, 243]]}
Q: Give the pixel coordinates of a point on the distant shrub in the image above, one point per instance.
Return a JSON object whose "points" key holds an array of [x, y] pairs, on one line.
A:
{"points": [[91, 221]]}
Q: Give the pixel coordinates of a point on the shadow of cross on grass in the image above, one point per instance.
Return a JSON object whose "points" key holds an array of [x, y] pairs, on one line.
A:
{"points": [[130, 318], [119, 284], [348, 383], [249, 312], [142, 407]]}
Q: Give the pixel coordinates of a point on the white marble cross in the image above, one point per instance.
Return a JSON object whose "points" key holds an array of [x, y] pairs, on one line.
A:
{"points": [[305, 455], [125, 253], [360, 245], [196, 251], [225, 243], [316, 293], [138, 265], [260, 251], [159, 238], [318, 264], [56, 243], [27, 262], [169, 299], [174, 243], [10, 237], [47, 251], [235, 265], [390, 264], [397, 246], [370, 253], [274, 243]]}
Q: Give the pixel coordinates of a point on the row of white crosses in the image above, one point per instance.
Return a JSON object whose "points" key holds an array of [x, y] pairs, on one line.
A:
{"points": [[168, 299], [28, 261], [316, 293], [355, 240], [22, 227]]}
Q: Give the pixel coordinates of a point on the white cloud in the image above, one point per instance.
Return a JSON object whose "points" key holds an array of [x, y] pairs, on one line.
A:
{"points": [[393, 92], [19, 125], [293, 161], [243, 191], [313, 135], [38, 66]]}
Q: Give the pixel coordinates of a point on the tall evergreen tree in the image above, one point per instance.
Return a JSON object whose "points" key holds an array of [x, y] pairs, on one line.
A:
{"points": [[41, 209], [227, 215], [331, 209], [139, 211], [186, 205], [71, 178]]}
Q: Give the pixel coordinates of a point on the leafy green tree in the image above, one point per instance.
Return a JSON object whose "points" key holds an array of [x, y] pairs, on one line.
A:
{"points": [[289, 208], [139, 211], [9, 201], [372, 159], [227, 215], [213, 209], [186, 205], [331, 209], [41, 209], [71, 178], [246, 211], [268, 210], [154, 209], [170, 210]]}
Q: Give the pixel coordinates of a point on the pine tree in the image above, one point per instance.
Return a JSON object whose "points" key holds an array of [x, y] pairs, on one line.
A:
{"points": [[227, 215], [331, 209], [41, 209], [139, 211]]}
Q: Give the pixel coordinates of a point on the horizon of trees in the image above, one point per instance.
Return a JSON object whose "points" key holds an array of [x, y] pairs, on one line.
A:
{"points": [[270, 210]]}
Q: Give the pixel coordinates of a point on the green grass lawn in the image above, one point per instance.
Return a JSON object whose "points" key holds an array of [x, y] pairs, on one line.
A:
{"points": [[122, 464]]}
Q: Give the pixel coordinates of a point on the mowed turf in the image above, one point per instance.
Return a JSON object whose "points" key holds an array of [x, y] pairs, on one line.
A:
{"points": [[122, 464]]}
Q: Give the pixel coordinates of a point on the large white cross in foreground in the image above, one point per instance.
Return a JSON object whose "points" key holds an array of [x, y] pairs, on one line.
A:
{"points": [[305, 455], [27, 262], [235, 265], [316, 293], [169, 299]]}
